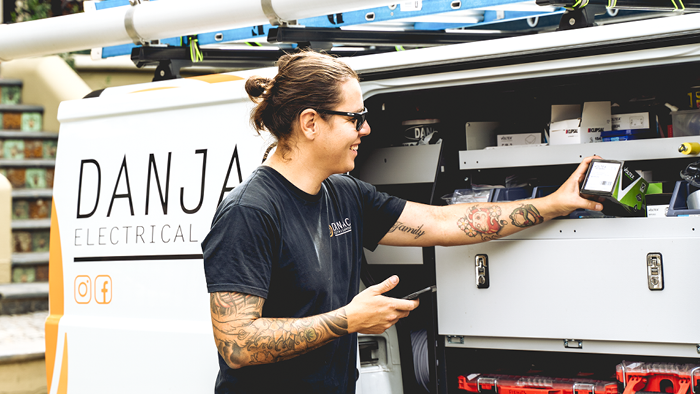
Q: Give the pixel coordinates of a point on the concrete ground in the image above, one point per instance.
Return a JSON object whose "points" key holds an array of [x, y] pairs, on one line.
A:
{"points": [[22, 366]]}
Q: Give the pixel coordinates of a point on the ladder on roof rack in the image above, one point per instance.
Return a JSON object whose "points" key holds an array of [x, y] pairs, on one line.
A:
{"points": [[400, 11]]}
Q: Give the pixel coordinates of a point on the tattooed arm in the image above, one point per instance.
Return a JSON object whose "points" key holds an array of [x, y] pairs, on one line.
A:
{"points": [[243, 337], [425, 225]]}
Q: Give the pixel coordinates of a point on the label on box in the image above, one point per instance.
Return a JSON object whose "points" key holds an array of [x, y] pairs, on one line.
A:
{"points": [[601, 176], [565, 136], [594, 120], [657, 211], [593, 135], [519, 139], [635, 121]]}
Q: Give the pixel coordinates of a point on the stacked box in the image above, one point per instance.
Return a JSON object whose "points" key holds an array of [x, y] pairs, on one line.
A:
{"points": [[18, 149], [13, 149], [30, 241], [22, 121], [10, 94], [22, 241], [33, 149], [31, 121], [12, 120], [31, 209], [20, 209], [24, 274], [49, 147], [40, 209], [30, 178]]}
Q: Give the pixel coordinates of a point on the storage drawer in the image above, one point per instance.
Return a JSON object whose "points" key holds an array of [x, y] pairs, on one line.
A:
{"points": [[584, 279]]}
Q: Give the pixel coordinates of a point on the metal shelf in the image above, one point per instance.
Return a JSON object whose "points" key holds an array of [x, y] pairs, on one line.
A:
{"points": [[27, 163], [544, 155], [47, 135], [30, 258], [32, 193], [20, 108], [31, 224]]}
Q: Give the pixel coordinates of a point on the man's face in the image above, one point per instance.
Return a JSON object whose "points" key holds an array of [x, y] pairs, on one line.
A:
{"points": [[339, 140]]}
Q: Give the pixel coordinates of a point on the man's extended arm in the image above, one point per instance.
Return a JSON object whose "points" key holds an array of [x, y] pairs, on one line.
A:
{"points": [[243, 337], [459, 224]]}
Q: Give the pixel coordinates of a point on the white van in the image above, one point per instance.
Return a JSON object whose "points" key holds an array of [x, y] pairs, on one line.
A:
{"points": [[140, 171]]}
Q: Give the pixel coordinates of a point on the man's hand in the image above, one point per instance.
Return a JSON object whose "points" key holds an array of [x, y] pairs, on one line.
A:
{"points": [[567, 198], [372, 313]]}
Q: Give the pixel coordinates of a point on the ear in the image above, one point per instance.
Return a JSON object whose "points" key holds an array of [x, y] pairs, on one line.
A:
{"points": [[308, 124]]}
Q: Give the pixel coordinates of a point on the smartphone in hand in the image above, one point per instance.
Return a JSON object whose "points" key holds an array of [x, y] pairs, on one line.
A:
{"points": [[415, 295]]}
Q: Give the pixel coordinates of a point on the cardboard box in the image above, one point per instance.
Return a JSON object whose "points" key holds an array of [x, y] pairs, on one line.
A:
{"points": [[565, 136], [635, 121], [595, 119], [623, 188], [565, 132], [565, 112], [519, 139]]}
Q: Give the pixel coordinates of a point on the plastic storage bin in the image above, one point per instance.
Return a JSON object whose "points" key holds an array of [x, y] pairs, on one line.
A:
{"points": [[658, 377], [477, 383], [626, 135], [510, 194], [686, 123], [678, 205]]}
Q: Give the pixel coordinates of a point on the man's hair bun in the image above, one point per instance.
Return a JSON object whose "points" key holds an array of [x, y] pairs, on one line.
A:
{"points": [[256, 86]]}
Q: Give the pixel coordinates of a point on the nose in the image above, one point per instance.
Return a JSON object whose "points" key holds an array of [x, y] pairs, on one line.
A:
{"points": [[365, 130]]}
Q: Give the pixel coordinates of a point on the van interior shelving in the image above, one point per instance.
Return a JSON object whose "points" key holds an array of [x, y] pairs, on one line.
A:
{"points": [[524, 106], [521, 106]]}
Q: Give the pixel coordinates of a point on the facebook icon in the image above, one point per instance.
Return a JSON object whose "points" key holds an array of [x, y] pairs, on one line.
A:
{"points": [[103, 289]]}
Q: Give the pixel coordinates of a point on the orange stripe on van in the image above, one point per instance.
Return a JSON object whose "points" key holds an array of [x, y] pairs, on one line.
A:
{"points": [[63, 379], [152, 89], [216, 78], [55, 296]]}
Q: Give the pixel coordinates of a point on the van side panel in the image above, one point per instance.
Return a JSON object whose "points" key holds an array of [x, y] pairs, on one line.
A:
{"points": [[135, 190]]}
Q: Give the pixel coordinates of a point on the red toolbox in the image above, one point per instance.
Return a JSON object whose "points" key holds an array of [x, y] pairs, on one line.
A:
{"points": [[505, 384], [658, 377]]}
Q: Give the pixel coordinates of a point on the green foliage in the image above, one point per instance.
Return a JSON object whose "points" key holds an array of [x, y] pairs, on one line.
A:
{"points": [[27, 10]]}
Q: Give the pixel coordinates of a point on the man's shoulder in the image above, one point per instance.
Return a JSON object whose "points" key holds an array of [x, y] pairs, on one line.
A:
{"points": [[344, 181], [347, 185], [257, 191]]}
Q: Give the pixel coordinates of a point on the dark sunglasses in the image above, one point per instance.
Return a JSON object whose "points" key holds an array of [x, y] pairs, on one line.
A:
{"points": [[360, 117]]}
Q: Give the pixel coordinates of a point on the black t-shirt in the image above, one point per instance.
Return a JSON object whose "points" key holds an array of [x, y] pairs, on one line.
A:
{"points": [[301, 253]]}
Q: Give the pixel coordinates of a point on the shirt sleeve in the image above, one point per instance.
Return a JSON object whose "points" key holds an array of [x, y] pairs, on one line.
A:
{"points": [[379, 212], [238, 251]]}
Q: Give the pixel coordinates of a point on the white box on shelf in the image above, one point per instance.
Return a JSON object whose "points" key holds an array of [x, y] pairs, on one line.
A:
{"points": [[519, 139], [635, 121], [594, 120], [565, 132], [564, 112], [565, 136]]}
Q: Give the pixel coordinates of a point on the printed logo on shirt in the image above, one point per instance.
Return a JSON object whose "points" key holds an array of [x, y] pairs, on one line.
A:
{"points": [[340, 227]]}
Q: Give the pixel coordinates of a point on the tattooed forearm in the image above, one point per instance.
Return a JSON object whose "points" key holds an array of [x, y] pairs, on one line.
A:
{"points": [[525, 216], [244, 338], [400, 226], [482, 221], [227, 304]]}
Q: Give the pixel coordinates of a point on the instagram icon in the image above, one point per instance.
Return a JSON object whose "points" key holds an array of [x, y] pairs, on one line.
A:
{"points": [[82, 289]]}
